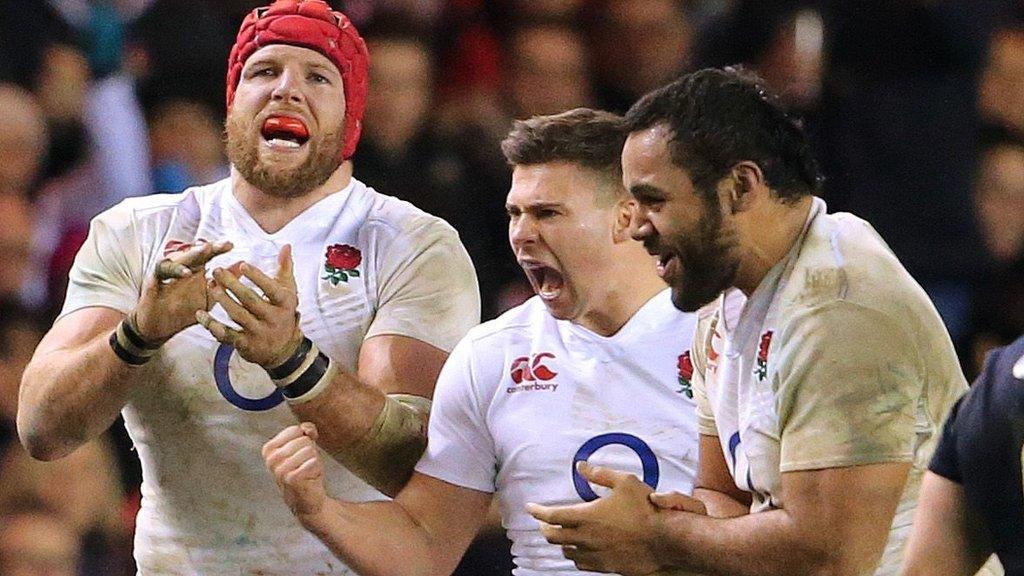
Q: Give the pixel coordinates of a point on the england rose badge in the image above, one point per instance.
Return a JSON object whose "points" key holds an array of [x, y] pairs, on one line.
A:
{"points": [[341, 262]]}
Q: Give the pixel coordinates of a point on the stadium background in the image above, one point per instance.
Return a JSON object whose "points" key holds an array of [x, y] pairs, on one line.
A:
{"points": [[915, 108]]}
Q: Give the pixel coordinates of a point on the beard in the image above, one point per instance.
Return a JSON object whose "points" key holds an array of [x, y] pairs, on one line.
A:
{"points": [[708, 261], [322, 159]]}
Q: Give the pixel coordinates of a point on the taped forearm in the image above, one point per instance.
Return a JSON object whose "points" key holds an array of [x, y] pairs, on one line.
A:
{"points": [[383, 456], [386, 455]]}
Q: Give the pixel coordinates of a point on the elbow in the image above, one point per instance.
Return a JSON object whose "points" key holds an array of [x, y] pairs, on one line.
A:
{"points": [[40, 443]]}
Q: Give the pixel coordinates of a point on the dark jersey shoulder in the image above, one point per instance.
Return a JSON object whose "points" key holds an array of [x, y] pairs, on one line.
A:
{"points": [[981, 448]]}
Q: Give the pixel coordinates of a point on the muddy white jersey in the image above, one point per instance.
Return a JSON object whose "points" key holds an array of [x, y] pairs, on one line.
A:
{"points": [[365, 264], [524, 397], [837, 359]]}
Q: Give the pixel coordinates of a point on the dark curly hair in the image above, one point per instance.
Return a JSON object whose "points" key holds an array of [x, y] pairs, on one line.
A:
{"points": [[720, 117]]}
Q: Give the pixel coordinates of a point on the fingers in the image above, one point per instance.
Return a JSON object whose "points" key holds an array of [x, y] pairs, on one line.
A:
{"points": [[309, 429], [565, 516], [235, 311], [218, 330], [561, 536], [183, 264], [198, 255], [600, 475], [286, 269], [677, 501], [248, 297], [168, 269], [283, 437], [275, 290], [294, 461]]}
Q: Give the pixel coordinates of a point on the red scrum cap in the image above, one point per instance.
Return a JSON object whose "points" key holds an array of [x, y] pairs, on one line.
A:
{"points": [[309, 24]]}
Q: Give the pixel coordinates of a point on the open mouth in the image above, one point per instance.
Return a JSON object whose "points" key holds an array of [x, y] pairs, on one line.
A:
{"points": [[666, 265], [545, 280], [284, 132]]}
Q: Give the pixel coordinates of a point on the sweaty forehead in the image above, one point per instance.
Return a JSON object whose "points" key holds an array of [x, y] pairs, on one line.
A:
{"points": [[646, 150], [549, 182]]}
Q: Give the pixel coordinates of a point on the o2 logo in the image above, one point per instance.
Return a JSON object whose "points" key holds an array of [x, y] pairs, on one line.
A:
{"points": [[647, 459], [222, 375]]}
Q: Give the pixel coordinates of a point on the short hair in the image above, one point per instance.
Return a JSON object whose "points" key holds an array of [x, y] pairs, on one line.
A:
{"points": [[590, 138], [720, 117]]}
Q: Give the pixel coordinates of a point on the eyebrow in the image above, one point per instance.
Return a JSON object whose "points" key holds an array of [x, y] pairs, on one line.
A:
{"points": [[646, 190], [535, 206], [264, 61]]}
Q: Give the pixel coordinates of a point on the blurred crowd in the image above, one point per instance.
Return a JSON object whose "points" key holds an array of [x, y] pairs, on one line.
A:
{"points": [[916, 109]]}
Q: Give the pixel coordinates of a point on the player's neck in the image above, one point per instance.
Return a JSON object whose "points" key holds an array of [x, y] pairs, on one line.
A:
{"points": [[765, 246], [624, 296], [274, 212]]}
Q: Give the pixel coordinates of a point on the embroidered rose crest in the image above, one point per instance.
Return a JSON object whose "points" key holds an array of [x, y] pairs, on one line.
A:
{"points": [[341, 262], [685, 366], [762, 356]]}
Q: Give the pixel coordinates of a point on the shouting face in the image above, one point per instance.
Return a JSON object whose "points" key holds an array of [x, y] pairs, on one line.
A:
{"points": [[561, 220], [286, 125]]}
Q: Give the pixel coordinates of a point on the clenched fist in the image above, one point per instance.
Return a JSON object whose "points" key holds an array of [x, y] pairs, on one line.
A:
{"points": [[293, 459]]}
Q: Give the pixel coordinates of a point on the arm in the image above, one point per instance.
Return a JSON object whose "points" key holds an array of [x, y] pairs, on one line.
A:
{"points": [[835, 523], [949, 538], [374, 421], [715, 486], [423, 532], [75, 385], [348, 411]]}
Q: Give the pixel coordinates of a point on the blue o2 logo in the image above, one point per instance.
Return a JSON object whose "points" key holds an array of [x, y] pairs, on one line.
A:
{"points": [[647, 459], [222, 375]]}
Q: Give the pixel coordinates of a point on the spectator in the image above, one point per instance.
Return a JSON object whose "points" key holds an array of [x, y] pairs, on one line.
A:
{"points": [[22, 146], [638, 45], [20, 332], [85, 490], [899, 133], [404, 152], [1002, 86], [999, 199], [35, 541]]}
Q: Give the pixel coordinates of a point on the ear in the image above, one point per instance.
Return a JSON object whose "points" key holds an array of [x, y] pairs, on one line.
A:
{"points": [[742, 187], [621, 228]]}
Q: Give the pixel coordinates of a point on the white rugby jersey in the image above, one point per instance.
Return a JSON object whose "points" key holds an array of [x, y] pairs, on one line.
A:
{"points": [[525, 396], [365, 264], [837, 359]]}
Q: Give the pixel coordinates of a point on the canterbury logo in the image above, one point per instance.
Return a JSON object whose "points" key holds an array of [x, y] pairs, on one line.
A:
{"points": [[530, 373], [525, 368]]}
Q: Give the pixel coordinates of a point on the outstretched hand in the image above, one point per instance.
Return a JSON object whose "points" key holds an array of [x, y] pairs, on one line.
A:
{"points": [[269, 321]]}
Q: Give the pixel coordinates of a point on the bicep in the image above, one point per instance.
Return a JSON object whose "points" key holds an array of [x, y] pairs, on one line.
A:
{"points": [[448, 514], [948, 538], [846, 512], [400, 365]]}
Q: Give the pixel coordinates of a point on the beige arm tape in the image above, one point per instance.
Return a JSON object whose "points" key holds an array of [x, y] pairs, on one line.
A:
{"points": [[387, 454]]}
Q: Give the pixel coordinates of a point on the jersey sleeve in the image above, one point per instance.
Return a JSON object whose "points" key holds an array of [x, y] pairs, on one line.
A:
{"points": [[460, 449], [847, 389], [107, 270], [698, 355], [946, 459], [428, 288]]}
